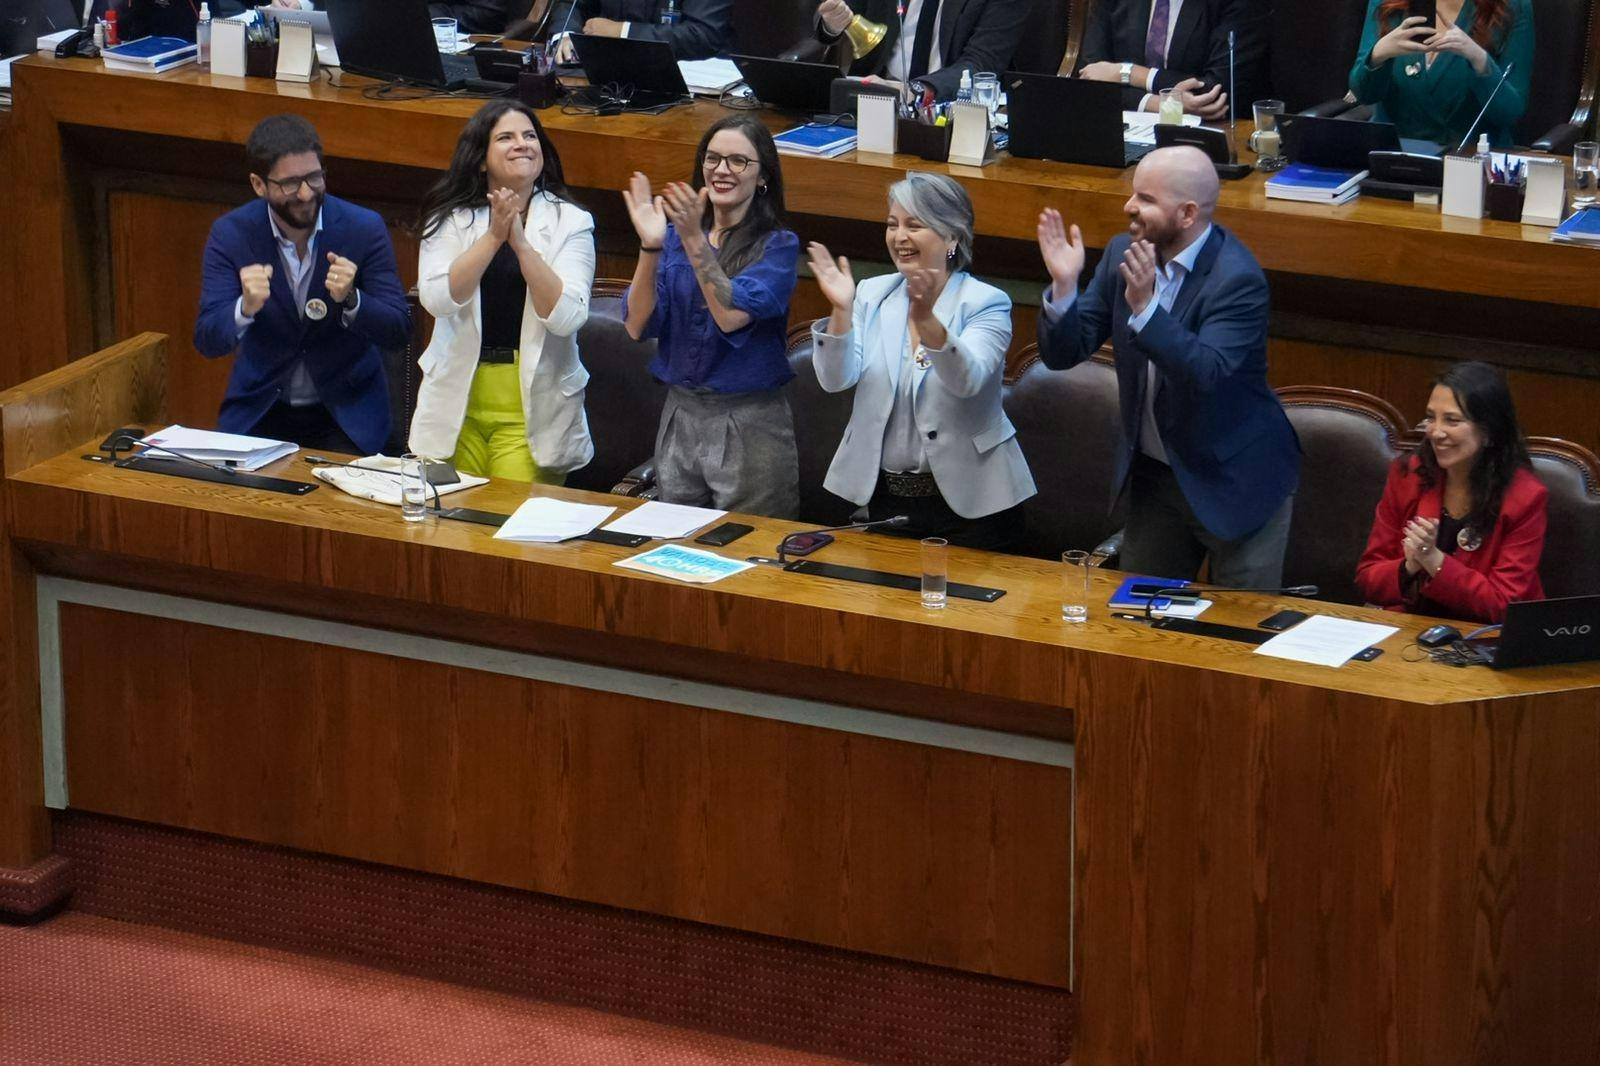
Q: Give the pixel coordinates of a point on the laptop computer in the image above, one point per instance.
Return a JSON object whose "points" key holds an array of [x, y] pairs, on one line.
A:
{"points": [[23, 22], [1340, 143], [1068, 120], [393, 40], [789, 85], [644, 67], [1542, 632]]}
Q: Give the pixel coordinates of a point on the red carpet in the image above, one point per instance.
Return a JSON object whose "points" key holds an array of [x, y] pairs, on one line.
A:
{"points": [[85, 990]]}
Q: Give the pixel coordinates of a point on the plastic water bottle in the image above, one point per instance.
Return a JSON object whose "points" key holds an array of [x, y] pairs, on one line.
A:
{"points": [[964, 92], [1482, 155], [202, 37], [670, 15]]}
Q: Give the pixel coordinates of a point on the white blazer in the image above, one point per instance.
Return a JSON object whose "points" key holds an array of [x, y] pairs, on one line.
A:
{"points": [[551, 376], [970, 443]]}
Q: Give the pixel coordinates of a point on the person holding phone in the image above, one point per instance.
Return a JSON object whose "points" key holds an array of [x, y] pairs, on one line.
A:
{"points": [[1429, 66], [1461, 525], [924, 348], [506, 266], [715, 271]]}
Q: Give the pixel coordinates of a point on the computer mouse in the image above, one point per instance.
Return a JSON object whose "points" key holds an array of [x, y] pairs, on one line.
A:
{"points": [[1434, 636]]}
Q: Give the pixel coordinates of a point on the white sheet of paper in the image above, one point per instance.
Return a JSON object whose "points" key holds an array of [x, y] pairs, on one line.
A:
{"points": [[708, 75], [248, 453], [1181, 610], [664, 520], [1325, 640], [876, 123], [545, 520]]}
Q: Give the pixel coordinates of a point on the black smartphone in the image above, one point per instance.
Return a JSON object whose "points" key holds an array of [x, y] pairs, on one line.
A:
{"points": [[468, 514], [1366, 655], [806, 543], [724, 534], [611, 536], [122, 438], [1428, 9], [1283, 620]]}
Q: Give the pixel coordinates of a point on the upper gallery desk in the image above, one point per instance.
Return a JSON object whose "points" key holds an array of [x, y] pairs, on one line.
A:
{"points": [[1392, 862], [1357, 289]]}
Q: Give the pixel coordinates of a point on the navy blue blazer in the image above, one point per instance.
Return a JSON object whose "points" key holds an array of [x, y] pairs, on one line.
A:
{"points": [[346, 364], [1235, 455]]}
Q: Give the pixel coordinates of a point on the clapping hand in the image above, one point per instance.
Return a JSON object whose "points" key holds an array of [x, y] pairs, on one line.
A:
{"points": [[255, 283], [1063, 255], [1420, 544], [686, 210], [502, 213], [833, 277], [1405, 39], [922, 288], [648, 213], [1138, 269], [341, 276]]}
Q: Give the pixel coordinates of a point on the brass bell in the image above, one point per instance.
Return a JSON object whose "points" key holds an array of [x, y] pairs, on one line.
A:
{"points": [[864, 35]]}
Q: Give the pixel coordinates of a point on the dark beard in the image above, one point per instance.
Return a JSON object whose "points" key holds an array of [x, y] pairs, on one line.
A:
{"points": [[286, 219]]}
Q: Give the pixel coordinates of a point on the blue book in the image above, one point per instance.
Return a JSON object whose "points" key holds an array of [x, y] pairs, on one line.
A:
{"points": [[1581, 227], [150, 51], [1126, 597], [1302, 181], [817, 139]]}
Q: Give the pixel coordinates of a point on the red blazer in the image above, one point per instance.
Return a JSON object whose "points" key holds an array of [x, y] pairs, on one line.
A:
{"points": [[1473, 586]]}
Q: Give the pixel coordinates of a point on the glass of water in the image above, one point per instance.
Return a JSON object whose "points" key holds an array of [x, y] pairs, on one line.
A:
{"points": [[413, 488], [935, 571], [1585, 172], [1074, 586], [986, 90], [444, 33]]}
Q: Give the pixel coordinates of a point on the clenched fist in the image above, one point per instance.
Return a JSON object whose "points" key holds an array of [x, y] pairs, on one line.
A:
{"points": [[341, 275], [256, 282]]}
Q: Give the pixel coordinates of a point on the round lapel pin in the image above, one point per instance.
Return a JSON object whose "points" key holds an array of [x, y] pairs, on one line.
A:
{"points": [[316, 310]]}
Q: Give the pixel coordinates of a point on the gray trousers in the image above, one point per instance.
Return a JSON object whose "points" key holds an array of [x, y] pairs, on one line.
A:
{"points": [[1163, 538], [734, 452]]}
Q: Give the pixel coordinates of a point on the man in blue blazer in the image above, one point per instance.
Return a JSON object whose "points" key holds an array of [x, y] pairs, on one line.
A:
{"points": [[1210, 462], [303, 285]]}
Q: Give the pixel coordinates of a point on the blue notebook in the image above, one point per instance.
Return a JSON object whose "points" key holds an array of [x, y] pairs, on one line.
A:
{"points": [[1302, 181], [1125, 596], [816, 139], [151, 51], [1581, 227]]}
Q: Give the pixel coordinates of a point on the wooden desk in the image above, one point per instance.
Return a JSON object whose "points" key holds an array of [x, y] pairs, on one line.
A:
{"points": [[119, 176], [1392, 862]]}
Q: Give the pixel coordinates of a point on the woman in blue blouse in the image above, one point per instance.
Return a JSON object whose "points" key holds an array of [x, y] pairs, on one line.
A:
{"points": [[1431, 81], [716, 268]]}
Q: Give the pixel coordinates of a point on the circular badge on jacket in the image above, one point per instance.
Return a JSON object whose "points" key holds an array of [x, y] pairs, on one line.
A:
{"points": [[316, 310], [1468, 539]]}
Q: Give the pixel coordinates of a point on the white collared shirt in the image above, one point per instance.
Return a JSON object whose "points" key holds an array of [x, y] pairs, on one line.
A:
{"points": [[903, 451], [899, 66], [1174, 6]]}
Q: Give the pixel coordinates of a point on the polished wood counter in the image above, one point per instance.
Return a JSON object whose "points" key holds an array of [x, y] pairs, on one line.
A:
{"points": [[1393, 862]]}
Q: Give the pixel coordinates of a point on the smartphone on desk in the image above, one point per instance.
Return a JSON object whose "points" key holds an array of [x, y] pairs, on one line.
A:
{"points": [[724, 534], [806, 543]]}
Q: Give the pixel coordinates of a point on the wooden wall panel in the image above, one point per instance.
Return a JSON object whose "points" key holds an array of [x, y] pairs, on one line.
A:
{"points": [[871, 844]]}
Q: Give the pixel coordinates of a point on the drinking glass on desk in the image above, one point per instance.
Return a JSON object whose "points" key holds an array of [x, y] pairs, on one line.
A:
{"points": [[1075, 586], [986, 90], [413, 488], [444, 33], [935, 571], [1171, 109], [1267, 140], [1585, 172]]}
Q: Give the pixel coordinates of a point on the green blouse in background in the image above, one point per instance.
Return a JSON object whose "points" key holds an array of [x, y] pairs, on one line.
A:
{"points": [[1439, 102]]}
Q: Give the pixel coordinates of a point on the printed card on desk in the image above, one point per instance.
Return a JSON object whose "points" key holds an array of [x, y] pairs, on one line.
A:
{"points": [[684, 564], [876, 123]]}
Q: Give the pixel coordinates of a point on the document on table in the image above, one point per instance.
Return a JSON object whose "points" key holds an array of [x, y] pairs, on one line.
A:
{"points": [[1325, 641], [709, 77], [545, 520], [666, 521], [212, 446], [1139, 127]]}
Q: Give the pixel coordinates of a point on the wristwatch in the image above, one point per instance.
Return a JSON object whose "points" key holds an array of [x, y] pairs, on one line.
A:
{"points": [[1127, 73]]}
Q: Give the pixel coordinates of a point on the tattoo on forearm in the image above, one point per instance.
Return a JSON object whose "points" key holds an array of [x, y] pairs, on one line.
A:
{"points": [[711, 275]]}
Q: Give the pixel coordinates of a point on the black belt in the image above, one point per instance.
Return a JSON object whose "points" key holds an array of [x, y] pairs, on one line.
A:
{"points": [[487, 354], [909, 486]]}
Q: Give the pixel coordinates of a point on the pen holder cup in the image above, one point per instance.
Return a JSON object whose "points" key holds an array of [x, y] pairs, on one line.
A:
{"points": [[929, 142], [1503, 200], [538, 91], [261, 60]]}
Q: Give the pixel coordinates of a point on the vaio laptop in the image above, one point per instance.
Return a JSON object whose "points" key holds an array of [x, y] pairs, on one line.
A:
{"points": [[789, 85], [644, 67], [393, 40], [1068, 120], [1541, 632]]}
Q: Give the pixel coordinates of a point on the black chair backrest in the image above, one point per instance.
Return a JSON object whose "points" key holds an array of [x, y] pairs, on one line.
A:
{"points": [[1069, 426], [1051, 34], [768, 27], [819, 421], [1566, 37], [1311, 48], [1570, 565], [623, 401], [1348, 441]]}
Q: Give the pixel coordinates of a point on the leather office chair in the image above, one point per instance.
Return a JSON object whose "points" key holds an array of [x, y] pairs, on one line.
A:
{"points": [[1073, 470], [1348, 441], [1052, 37], [1570, 565], [531, 26], [819, 421], [623, 402]]}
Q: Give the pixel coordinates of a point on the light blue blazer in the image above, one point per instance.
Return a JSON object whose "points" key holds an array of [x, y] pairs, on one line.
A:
{"points": [[970, 443]]}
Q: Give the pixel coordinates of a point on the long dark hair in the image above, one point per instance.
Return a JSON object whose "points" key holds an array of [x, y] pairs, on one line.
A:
{"points": [[466, 184], [742, 244], [1483, 396], [1490, 22]]}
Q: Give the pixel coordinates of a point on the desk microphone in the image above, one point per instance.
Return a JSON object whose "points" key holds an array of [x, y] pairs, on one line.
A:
{"points": [[783, 545], [1494, 92], [1193, 590], [119, 441]]}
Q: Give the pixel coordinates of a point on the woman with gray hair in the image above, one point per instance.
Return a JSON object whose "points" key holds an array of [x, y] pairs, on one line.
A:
{"points": [[925, 348]]}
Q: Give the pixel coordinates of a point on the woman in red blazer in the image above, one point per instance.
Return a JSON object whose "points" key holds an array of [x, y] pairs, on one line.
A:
{"points": [[1461, 524]]}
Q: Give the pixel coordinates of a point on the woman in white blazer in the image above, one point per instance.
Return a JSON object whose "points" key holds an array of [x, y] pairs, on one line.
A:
{"points": [[506, 266], [925, 349]]}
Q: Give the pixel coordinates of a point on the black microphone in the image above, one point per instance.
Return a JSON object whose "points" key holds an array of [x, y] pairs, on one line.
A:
{"points": [[882, 523], [1497, 86], [129, 440], [1287, 590]]}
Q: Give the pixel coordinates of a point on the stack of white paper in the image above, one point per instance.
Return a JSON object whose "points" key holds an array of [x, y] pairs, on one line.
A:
{"points": [[229, 449], [545, 520], [709, 76], [1326, 641], [1139, 127], [666, 521]]}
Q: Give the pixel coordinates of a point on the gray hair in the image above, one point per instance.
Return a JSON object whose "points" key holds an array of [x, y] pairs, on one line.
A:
{"points": [[942, 205]]}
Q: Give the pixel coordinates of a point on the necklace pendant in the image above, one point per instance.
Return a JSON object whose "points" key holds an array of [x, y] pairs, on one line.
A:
{"points": [[920, 358]]}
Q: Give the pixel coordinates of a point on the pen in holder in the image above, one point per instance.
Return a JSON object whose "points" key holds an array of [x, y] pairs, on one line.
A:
{"points": [[1503, 200], [924, 139]]}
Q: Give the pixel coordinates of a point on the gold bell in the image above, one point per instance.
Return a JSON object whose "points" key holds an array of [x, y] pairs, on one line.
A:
{"points": [[864, 35]]}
